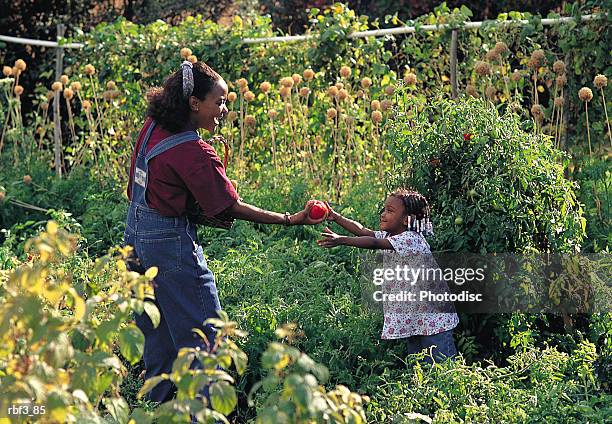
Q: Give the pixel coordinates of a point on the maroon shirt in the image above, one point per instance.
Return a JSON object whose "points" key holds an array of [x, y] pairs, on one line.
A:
{"points": [[179, 176]]}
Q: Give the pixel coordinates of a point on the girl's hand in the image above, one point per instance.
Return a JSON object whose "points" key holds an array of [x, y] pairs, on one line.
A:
{"points": [[331, 239], [303, 217], [332, 214]]}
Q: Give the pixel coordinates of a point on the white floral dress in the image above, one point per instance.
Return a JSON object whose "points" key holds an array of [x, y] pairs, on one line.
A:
{"points": [[405, 318]]}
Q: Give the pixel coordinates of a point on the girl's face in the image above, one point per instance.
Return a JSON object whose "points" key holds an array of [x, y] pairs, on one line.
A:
{"points": [[393, 217], [208, 112]]}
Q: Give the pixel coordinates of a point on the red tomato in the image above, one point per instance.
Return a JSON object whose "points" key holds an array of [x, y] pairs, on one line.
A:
{"points": [[318, 210]]}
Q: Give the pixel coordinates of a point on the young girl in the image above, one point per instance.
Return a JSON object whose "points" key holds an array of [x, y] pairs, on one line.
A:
{"points": [[404, 221]]}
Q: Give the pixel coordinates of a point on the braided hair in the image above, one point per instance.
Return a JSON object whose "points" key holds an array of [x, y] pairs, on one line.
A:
{"points": [[417, 208]]}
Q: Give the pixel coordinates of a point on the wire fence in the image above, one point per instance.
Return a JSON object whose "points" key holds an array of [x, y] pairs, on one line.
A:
{"points": [[357, 34], [61, 44]]}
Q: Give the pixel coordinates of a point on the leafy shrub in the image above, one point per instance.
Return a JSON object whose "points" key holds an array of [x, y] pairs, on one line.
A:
{"points": [[64, 349], [492, 185], [290, 16], [539, 385], [79, 202], [293, 390], [58, 345], [595, 180], [269, 276]]}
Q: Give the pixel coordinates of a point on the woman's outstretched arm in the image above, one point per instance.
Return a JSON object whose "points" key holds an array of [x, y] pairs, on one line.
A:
{"points": [[242, 210]]}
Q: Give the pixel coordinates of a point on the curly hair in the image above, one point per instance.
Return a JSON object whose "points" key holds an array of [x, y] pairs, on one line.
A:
{"points": [[168, 107], [416, 207]]}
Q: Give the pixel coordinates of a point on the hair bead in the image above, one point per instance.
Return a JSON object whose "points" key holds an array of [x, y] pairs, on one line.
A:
{"points": [[418, 210]]}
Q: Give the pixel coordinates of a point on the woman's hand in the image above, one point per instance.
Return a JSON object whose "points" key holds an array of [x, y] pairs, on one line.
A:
{"points": [[330, 239], [303, 218]]}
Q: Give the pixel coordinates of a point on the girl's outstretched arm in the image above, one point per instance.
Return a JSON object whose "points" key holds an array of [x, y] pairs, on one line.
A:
{"points": [[353, 227], [331, 239]]}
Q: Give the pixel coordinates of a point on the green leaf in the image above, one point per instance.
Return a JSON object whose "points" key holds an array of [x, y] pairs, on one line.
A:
{"points": [[183, 361], [223, 397], [140, 416], [240, 360], [151, 273], [353, 417], [131, 343], [100, 383], [225, 361], [301, 394], [465, 11], [106, 330], [118, 408], [59, 350], [439, 402], [153, 313], [151, 383]]}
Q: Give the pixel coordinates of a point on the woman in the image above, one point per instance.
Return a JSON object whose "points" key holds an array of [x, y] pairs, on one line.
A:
{"points": [[173, 170]]}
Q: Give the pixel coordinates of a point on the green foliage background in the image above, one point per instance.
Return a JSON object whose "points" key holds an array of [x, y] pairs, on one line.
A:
{"points": [[525, 198]]}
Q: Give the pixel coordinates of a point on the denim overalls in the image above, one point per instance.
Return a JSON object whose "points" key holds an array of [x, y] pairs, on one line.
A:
{"points": [[185, 290]]}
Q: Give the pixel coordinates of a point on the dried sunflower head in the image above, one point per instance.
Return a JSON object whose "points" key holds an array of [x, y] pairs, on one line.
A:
{"points": [[559, 67], [501, 47], [265, 86], [345, 72], [410, 78], [482, 68], [309, 74], [537, 111], [585, 94], [600, 81], [561, 80]]}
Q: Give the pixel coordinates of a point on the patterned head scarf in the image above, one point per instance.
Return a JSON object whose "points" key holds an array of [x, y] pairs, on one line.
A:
{"points": [[187, 67]]}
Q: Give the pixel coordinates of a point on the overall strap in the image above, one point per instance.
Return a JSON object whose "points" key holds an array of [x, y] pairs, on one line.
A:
{"points": [[170, 142], [139, 185], [141, 171], [145, 141]]}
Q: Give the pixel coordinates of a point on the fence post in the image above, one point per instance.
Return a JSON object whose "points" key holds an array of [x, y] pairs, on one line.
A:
{"points": [[57, 122], [453, 64], [566, 107]]}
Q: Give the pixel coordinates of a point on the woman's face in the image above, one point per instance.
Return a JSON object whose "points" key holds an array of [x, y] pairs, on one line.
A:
{"points": [[208, 112], [393, 218]]}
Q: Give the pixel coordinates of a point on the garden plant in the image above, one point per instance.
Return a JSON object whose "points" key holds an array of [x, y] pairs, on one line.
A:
{"points": [[516, 163]]}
